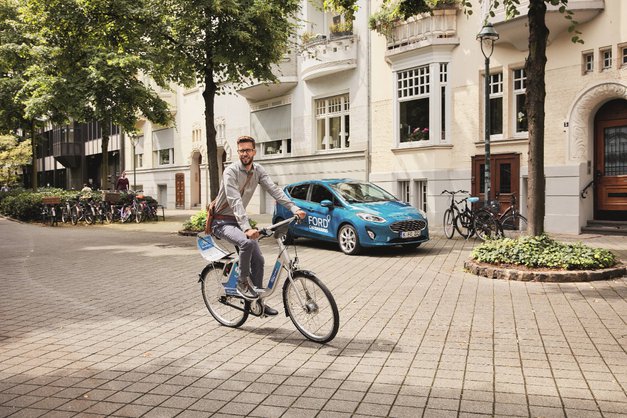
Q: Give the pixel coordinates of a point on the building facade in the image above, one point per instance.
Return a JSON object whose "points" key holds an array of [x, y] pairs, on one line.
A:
{"points": [[406, 111]]}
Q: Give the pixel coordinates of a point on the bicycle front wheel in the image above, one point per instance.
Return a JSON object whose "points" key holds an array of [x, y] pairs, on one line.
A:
{"points": [[486, 225], [230, 311], [464, 225], [449, 223], [514, 226], [311, 307]]}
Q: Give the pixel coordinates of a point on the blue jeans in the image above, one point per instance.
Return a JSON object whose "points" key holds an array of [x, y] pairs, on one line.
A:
{"points": [[251, 261]]}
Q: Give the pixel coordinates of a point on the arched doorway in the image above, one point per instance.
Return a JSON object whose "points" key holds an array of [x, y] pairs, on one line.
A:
{"points": [[195, 179], [610, 161]]}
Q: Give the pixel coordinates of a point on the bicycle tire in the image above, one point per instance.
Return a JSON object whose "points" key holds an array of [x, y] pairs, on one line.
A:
{"points": [[449, 223], [486, 225], [65, 215], [230, 311], [74, 216], [89, 216], [319, 319], [464, 225], [53, 216], [139, 216], [515, 226]]}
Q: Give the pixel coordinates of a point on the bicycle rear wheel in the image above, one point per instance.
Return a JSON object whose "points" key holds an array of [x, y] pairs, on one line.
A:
{"points": [[449, 223], [486, 225], [311, 307], [514, 226], [464, 224], [230, 311]]}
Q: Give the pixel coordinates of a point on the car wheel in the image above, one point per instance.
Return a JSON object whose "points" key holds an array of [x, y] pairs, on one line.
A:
{"points": [[348, 240]]}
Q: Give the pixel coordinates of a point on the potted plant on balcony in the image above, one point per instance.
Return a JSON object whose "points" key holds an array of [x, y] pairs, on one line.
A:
{"points": [[341, 29], [419, 134], [393, 12]]}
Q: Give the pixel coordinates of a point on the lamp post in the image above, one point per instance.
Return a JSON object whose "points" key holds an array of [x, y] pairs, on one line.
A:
{"points": [[487, 37], [132, 136]]}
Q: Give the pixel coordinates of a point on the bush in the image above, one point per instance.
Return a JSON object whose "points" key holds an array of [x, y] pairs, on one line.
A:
{"points": [[543, 252], [196, 222]]}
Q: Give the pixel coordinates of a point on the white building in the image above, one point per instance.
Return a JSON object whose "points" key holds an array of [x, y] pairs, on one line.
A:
{"points": [[346, 105]]}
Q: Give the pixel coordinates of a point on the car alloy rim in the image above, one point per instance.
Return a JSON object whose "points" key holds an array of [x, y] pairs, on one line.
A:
{"points": [[348, 239]]}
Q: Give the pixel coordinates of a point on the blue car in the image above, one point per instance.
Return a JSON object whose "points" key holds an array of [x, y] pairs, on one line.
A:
{"points": [[353, 213]]}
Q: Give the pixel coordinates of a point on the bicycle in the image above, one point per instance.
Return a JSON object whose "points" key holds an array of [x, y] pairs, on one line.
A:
{"points": [[307, 301], [513, 223], [467, 221]]}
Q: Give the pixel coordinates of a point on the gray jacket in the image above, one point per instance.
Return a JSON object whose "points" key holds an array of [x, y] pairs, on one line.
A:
{"points": [[233, 180]]}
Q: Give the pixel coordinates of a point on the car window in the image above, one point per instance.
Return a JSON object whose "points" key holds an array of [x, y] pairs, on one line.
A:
{"points": [[356, 192], [299, 191], [320, 193]]}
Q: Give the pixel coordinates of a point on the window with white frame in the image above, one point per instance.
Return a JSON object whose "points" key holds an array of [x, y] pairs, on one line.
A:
{"points": [[496, 104], [164, 156], [271, 126], [623, 54], [404, 191], [520, 99], [587, 62], [421, 195], [138, 151], [443, 87], [413, 91], [163, 147], [606, 59], [139, 160], [333, 122]]}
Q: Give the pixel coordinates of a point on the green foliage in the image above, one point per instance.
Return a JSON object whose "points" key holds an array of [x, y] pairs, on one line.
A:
{"points": [[394, 11], [196, 222], [543, 252], [13, 155]]}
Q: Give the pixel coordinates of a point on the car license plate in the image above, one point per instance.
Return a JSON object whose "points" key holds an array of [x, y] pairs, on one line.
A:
{"points": [[410, 234]]}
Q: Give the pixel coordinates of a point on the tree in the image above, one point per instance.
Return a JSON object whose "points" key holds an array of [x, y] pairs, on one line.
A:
{"points": [[90, 58], [13, 155], [220, 45], [15, 57]]}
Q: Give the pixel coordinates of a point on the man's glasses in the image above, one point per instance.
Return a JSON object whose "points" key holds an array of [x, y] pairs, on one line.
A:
{"points": [[245, 151]]}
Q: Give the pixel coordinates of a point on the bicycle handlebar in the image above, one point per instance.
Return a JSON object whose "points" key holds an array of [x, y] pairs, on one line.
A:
{"points": [[454, 193], [269, 230]]}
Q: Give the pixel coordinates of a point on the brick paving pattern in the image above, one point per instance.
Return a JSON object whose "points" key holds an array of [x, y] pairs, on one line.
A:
{"points": [[102, 321]]}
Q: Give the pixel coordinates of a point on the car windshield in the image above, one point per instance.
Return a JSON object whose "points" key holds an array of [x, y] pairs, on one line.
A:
{"points": [[355, 192]]}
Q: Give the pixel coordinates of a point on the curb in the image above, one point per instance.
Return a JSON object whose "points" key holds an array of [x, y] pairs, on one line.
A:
{"points": [[562, 276]]}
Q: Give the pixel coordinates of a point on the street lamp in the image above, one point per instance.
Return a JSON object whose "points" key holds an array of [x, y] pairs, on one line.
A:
{"points": [[132, 136], [487, 37]]}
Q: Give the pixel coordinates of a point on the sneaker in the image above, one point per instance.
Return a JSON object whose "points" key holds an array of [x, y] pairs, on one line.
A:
{"points": [[245, 290], [268, 311]]}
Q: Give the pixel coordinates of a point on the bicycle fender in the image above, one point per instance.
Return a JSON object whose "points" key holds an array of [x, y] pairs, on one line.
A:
{"points": [[206, 269]]}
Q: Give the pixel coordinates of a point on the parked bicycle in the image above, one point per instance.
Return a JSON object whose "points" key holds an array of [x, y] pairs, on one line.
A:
{"points": [[307, 301], [468, 221], [513, 223]]}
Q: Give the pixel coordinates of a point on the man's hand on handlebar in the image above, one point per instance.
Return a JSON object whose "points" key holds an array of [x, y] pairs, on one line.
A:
{"points": [[252, 233], [301, 214]]}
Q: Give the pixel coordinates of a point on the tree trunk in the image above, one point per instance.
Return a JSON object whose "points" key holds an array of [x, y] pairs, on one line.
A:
{"points": [[104, 167], [209, 95], [536, 92], [33, 144]]}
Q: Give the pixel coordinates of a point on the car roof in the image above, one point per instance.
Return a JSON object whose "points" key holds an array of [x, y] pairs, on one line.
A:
{"points": [[325, 181]]}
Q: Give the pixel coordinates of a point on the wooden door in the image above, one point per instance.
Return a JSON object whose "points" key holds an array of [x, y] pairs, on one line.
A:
{"points": [[610, 167], [504, 178], [180, 190]]}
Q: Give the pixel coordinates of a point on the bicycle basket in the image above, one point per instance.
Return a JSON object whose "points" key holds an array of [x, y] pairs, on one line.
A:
{"points": [[209, 250]]}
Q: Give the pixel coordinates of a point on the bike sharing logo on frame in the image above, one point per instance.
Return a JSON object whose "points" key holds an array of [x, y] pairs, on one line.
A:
{"points": [[319, 224]]}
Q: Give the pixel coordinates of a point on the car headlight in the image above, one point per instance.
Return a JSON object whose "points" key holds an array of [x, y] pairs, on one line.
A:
{"points": [[370, 217]]}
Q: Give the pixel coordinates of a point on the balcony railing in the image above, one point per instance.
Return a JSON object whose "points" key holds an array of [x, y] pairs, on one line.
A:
{"points": [[424, 30], [285, 72], [328, 56]]}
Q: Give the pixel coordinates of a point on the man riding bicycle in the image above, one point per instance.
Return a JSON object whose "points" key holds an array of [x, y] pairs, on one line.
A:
{"points": [[231, 223]]}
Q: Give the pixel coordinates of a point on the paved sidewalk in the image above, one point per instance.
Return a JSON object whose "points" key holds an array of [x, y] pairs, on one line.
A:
{"points": [[101, 322]]}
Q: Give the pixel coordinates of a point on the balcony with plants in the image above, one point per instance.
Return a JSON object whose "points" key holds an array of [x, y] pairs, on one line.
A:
{"points": [[409, 25], [323, 55]]}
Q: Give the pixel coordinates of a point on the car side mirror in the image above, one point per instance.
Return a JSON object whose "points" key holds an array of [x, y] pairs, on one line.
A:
{"points": [[326, 203]]}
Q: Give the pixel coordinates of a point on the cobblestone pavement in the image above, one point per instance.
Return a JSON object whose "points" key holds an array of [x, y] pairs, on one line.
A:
{"points": [[102, 321]]}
